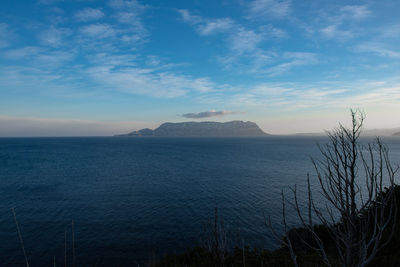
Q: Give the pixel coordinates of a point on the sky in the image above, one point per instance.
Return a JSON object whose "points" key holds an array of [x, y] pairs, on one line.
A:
{"points": [[86, 67]]}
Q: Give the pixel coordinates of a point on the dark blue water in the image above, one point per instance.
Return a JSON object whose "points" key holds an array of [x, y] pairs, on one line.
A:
{"points": [[131, 199]]}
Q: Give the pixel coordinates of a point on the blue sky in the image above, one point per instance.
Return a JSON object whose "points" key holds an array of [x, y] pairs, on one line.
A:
{"points": [[82, 67]]}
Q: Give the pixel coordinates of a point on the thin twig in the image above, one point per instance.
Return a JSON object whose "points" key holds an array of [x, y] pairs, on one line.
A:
{"points": [[20, 238], [65, 248], [73, 245]]}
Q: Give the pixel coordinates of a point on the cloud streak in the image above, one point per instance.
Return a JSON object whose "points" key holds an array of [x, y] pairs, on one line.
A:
{"points": [[267, 9], [340, 26], [99, 31], [88, 14], [53, 36], [149, 82], [378, 49], [208, 114], [5, 35]]}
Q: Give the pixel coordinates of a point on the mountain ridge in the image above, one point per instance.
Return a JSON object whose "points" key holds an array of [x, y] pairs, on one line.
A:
{"points": [[201, 129]]}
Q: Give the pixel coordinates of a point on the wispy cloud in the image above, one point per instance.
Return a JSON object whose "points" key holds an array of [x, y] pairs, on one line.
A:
{"points": [[53, 59], [106, 72], [208, 114], [241, 42], [291, 97], [44, 80], [148, 81], [271, 32], [391, 31], [347, 13], [340, 25], [245, 52], [88, 14], [131, 5], [378, 49], [283, 96], [268, 9], [271, 64], [333, 32], [190, 18], [128, 13], [54, 36], [293, 59], [23, 53], [244, 40], [5, 35], [98, 31], [206, 26], [39, 57], [216, 26], [355, 12], [240, 39]]}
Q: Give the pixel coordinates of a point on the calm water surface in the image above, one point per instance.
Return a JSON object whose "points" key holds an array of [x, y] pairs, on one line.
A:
{"points": [[134, 198]]}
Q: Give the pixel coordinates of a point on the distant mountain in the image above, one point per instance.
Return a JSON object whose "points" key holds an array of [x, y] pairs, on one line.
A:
{"points": [[396, 134], [201, 129]]}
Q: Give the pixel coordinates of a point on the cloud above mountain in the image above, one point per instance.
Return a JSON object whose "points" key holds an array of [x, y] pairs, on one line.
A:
{"points": [[208, 114]]}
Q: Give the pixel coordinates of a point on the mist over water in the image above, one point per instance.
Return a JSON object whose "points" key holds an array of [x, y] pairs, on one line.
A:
{"points": [[130, 198]]}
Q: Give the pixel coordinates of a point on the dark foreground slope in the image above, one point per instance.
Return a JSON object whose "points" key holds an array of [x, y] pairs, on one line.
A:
{"points": [[202, 129], [212, 253]]}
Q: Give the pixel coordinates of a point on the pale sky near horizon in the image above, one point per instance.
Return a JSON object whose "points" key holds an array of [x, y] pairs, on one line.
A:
{"points": [[86, 67]]}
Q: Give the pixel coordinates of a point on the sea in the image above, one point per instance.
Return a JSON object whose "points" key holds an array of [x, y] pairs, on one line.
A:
{"points": [[112, 201]]}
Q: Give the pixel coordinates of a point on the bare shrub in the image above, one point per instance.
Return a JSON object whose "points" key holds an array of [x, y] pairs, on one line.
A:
{"points": [[356, 183]]}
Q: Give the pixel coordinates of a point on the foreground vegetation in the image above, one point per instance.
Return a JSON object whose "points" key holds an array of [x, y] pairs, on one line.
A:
{"points": [[202, 255]]}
